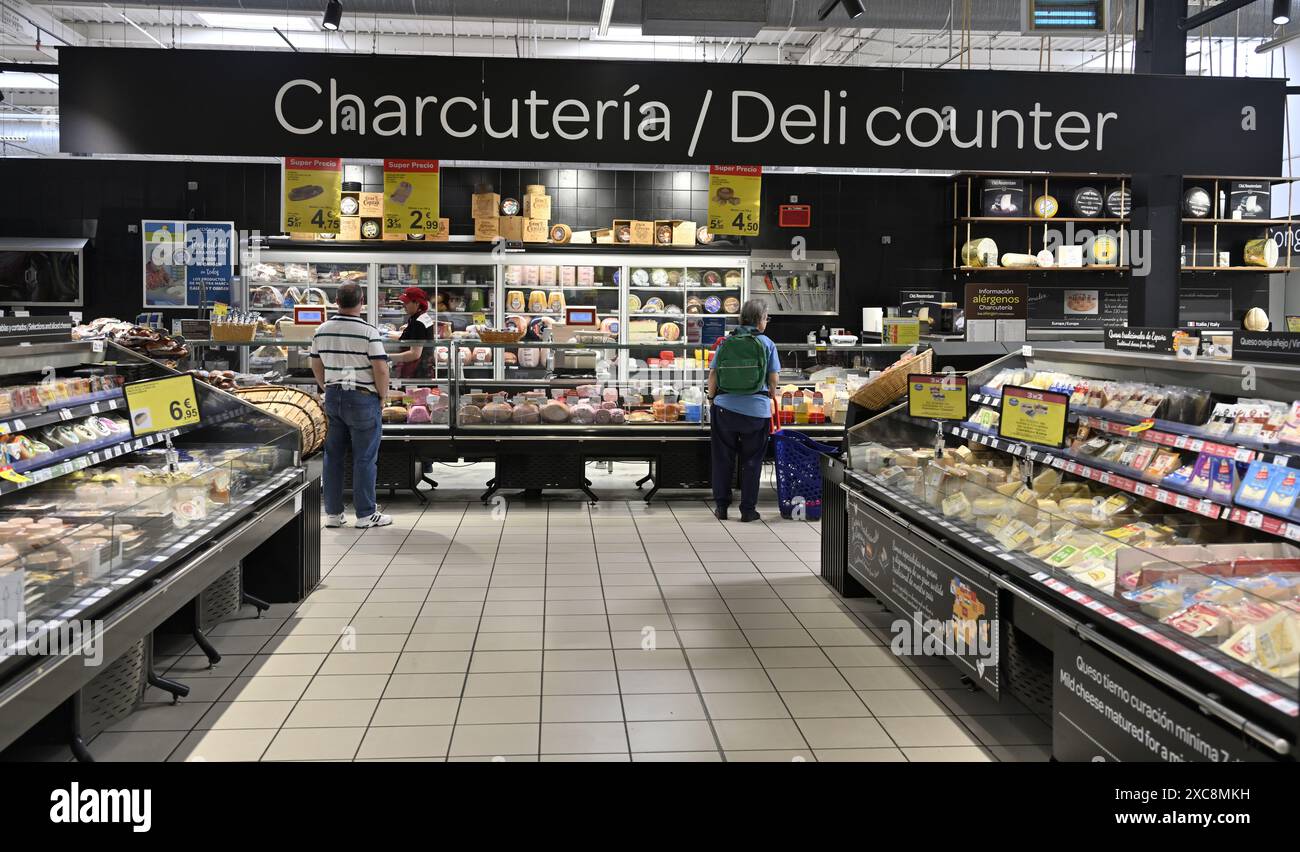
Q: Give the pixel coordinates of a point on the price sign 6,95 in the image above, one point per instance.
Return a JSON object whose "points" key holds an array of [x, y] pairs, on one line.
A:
{"points": [[156, 405]]}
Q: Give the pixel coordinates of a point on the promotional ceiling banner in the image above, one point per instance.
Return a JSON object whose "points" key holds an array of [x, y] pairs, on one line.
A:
{"points": [[252, 103]]}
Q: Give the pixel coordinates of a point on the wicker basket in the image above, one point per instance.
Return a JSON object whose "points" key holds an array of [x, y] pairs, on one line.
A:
{"points": [[878, 393], [297, 406], [234, 333], [500, 336]]}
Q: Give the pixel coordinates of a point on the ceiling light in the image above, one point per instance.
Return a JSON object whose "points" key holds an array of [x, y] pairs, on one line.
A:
{"points": [[853, 8], [1281, 12], [238, 21], [333, 15], [633, 34]]}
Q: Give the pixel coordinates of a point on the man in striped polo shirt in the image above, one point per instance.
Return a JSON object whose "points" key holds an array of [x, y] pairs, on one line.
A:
{"points": [[351, 367]]}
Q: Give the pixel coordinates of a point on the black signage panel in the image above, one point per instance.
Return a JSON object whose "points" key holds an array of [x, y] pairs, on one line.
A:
{"points": [[1205, 307], [1104, 711], [356, 105], [944, 608], [996, 302], [14, 330], [1158, 341], [1266, 345], [1056, 307]]}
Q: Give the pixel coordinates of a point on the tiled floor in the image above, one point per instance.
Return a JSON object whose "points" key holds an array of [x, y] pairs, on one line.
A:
{"points": [[562, 631]]}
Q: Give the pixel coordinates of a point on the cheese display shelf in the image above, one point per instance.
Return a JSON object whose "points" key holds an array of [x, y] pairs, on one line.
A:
{"points": [[1159, 530], [471, 284], [125, 528]]}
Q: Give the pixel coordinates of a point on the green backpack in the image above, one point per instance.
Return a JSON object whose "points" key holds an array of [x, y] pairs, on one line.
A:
{"points": [[741, 363]]}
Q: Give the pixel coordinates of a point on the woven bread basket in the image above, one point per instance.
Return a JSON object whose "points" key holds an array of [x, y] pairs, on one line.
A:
{"points": [[296, 406], [878, 393]]}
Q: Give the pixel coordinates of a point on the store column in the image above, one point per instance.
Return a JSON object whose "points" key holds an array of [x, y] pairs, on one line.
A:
{"points": [[1157, 199]]}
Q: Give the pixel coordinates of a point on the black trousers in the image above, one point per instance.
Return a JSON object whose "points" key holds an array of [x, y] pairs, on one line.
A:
{"points": [[737, 437]]}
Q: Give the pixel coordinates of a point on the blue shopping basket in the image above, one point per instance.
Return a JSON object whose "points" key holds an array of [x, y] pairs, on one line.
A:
{"points": [[799, 473]]}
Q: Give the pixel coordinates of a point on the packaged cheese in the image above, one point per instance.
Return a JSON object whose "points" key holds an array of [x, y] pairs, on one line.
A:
{"points": [[1256, 484], [1202, 620], [957, 506]]}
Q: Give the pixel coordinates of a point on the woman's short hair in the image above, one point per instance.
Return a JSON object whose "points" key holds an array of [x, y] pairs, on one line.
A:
{"points": [[753, 312]]}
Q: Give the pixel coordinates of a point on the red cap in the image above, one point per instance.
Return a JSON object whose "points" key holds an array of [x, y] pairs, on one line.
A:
{"points": [[414, 294]]}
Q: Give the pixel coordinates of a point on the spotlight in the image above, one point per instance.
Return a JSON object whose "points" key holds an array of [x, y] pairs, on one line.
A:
{"points": [[853, 8], [333, 15], [1281, 12]]}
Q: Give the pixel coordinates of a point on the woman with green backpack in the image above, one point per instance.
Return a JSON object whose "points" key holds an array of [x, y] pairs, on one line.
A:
{"points": [[742, 386]]}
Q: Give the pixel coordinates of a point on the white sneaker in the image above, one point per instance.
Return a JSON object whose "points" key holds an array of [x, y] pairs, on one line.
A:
{"points": [[375, 520], [335, 521]]}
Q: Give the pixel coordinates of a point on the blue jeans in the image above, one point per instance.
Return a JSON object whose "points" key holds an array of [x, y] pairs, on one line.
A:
{"points": [[354, 418]]}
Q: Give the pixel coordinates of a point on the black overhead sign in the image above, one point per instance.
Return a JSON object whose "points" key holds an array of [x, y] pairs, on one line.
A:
{"points": [[246, 103]]}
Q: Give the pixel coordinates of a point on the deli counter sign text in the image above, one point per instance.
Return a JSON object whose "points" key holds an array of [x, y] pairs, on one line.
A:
{"points": [[313, 190], [411, 196], [689, 113]]}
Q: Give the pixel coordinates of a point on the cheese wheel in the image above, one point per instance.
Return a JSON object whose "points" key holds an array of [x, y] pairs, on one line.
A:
{"points": [[1261, 252], [980, 252]]}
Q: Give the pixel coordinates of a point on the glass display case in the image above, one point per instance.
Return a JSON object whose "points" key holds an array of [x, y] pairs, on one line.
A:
{"points": [[92, 509], [1168, 510], [587, 384], [275, 280], [462, 291], [806, 286], [642, 297]]}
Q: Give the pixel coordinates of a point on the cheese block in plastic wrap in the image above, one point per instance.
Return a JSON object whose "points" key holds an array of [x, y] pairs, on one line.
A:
{"points": [[555, 411], [469, 415], [537, 302], [497, 412], [1011, 260], [526, 413]]}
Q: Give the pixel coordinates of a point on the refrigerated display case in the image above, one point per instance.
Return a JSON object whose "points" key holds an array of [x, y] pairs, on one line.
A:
{"points": [[1160, 533], [105, 520]]}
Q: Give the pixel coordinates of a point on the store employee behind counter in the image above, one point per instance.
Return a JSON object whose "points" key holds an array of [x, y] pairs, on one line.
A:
{"points": [[742, 385], [415, 362]]}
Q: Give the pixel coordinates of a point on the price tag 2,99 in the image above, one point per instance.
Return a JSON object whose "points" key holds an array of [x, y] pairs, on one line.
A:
{"points": [[156, 405], [411, 193]]}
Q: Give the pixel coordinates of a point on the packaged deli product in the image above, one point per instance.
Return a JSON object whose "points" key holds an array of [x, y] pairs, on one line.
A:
{"points": [[1202, 620], [1256, 484]]}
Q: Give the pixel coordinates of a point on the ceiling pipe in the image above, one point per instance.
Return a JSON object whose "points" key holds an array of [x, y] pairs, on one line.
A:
{"points": [[1200, 19]]}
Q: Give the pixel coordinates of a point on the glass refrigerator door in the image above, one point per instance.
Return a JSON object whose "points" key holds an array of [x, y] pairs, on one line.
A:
{"points": [[284, 279]]}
